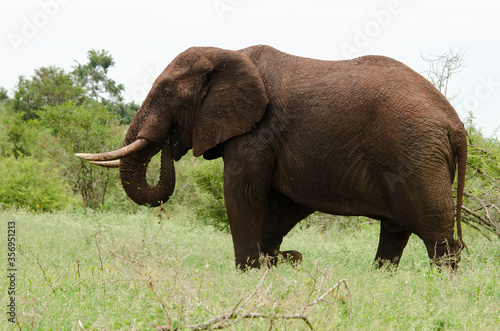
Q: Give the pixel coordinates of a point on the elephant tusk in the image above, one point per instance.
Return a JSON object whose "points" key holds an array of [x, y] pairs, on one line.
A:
{"points": [[133, 148], [107, 164]]}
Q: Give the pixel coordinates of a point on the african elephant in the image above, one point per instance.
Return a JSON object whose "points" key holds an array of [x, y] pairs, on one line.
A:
{"points": [[367, 137]]}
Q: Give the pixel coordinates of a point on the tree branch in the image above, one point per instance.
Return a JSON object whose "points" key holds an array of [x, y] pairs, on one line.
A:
{"points": [[236, 315]]}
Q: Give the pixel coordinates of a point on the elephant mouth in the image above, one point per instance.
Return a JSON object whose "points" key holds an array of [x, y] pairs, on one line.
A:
{"points": [[133, 160]]}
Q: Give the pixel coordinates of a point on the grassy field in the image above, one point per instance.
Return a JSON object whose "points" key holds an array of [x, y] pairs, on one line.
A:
{"points": [[109, 271]]}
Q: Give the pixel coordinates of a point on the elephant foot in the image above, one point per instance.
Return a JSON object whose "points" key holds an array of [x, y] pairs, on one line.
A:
{"points": [[447, 257], [386, 265], [446, 262], [292, 257]]}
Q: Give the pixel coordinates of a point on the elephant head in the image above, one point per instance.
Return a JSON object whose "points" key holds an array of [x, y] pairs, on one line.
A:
{"points": [[204, 97]]}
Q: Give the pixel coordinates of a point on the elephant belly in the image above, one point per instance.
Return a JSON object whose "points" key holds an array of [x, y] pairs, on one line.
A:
{"points": [[350, 190]]}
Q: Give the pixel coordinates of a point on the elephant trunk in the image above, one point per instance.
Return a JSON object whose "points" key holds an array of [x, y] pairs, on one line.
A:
{"points": [[133, 172]]}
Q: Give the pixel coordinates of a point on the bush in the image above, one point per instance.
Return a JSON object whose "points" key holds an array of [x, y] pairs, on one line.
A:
{"points": [[212, 209], [27, 182], [482, 199], [85, 128], [18, 137], [200, 189]]}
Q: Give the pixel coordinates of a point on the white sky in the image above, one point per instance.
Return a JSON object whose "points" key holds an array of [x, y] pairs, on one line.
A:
{"points": [[144, 36]]}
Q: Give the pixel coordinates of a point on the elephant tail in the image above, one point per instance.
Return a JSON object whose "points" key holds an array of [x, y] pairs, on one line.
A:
{"points": [[460, 147]]}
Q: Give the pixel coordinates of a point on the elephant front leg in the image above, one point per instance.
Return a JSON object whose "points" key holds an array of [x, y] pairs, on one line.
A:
{"points": [[245, 207], [258, 223], [245, 229]]}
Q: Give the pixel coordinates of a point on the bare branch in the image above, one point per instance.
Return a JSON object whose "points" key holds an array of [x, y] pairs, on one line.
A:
{"points": [[236, 315], [442, 67], [482, 221], [247, 301]]}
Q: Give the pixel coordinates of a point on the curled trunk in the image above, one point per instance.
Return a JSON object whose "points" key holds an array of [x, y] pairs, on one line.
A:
{"points": [[133, 175]]}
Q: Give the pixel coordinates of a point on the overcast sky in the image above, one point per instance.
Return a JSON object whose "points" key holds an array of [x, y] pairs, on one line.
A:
{"points": [[144, 36]]}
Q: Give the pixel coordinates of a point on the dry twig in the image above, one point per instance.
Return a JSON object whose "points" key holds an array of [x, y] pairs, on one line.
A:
{"points": [[237, 313], [47, 279]]}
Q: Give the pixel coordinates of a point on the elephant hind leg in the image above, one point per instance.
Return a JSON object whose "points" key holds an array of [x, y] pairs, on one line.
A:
{"points": [[393, 240], [443, 252], [282, 215], [438, 238]]}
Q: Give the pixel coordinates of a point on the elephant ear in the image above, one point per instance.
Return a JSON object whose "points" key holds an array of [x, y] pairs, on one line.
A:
{"points": [[233, 98]]}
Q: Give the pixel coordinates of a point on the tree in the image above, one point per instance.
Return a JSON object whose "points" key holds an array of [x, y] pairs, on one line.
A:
{"points": [[29, 177], [55, 114], [4, 95], [93, 76], [125, 111], [49, 86], [443, 67], [85, 128], [18, 137]]}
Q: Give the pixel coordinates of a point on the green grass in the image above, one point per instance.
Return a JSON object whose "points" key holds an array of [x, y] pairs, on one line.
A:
{"points": [[114, 271]]}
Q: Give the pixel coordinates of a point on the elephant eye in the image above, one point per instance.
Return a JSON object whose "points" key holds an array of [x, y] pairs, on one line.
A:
{"points": [[166, 87], [168, 90]]}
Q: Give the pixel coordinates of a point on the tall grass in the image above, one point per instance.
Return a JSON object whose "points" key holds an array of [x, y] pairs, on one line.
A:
{"points": [[108, 271]]}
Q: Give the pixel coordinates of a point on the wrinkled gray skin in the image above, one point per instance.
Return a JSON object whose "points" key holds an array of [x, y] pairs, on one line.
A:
{"points": [[367, 137]]}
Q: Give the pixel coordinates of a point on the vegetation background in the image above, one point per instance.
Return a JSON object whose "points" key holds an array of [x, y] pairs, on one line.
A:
{"points": [[89, 258]]}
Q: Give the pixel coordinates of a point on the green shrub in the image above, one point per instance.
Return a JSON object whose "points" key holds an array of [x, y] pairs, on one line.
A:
{"points": [[18, 137], [482, 200], [27, 182], [208, 193], [209, 179], [200, 190], [85, 128]]}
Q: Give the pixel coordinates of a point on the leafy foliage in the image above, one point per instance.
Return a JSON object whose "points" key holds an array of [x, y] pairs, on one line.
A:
{"points": [[85, 128], [209, 180], [200, 189], [482, 189], [124, 111], [4, 95], [28, 182], [94, 79], [17, 137], [49, 86], [55, 114]]}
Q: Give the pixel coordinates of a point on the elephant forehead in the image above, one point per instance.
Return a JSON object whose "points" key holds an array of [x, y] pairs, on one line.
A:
{"points": [[180, 67]]}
